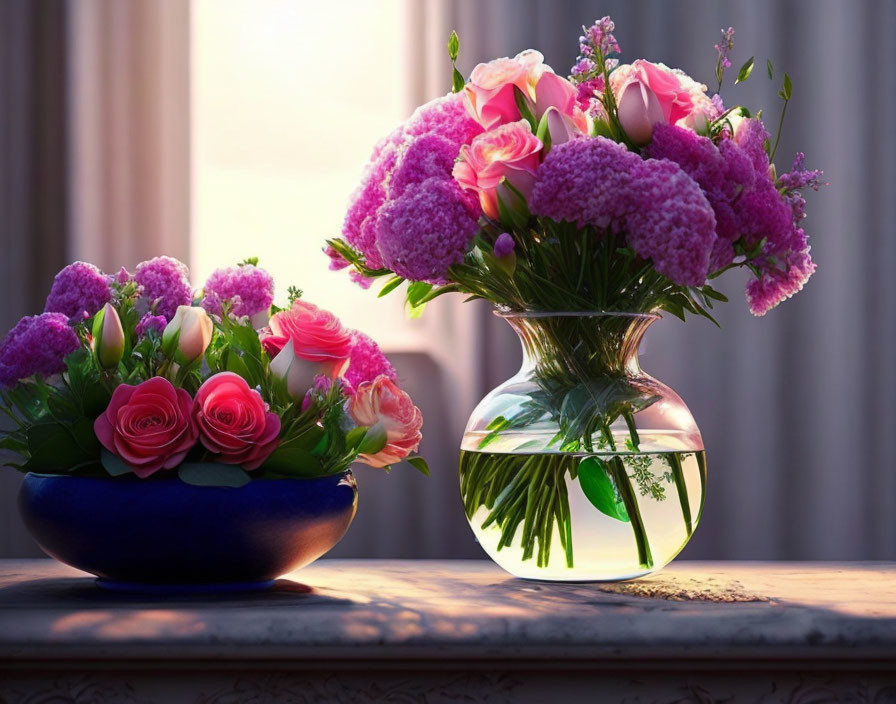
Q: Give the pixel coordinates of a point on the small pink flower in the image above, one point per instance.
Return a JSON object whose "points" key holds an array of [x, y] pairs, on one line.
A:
{"points": [[507, 152], [306, 341], [148, 426], [380, 402], [234, 422]]}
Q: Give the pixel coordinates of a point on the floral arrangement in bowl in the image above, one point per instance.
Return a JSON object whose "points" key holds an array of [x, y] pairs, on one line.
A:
{"points": [[582, 207], [134, 374], [147, 417]]}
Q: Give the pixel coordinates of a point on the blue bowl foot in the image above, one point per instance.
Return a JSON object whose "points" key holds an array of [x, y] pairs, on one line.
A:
{"points": [[145, 588]]}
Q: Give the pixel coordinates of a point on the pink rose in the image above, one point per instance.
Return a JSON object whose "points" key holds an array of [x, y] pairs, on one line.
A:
{"points": [[305, 342], [648, 93], [380, 402], [234, 422], [490, 96], [148, 426], [507, 152]]}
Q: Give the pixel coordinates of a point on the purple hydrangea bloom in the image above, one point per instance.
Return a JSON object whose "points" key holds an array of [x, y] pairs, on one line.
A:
{"points": [[723, 172], [78, 291], [151, 322], [38, 344], [249, 289], [426, 157], [671, 222], [504, 245], [585, 182], [751, 136], [777, 284], [366, 361], [424, 232], [444, 117], [165, 282]]}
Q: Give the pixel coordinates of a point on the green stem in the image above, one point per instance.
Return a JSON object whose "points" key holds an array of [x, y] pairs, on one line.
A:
{"points": [[701, 466], [674, 460], [645, 559], [771, 156]]}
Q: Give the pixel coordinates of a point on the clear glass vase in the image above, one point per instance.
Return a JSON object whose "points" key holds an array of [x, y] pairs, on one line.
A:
{"points": [[582, 467]]}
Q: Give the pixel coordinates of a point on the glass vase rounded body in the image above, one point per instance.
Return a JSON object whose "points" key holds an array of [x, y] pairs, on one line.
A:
{"points": [[582, 467]]}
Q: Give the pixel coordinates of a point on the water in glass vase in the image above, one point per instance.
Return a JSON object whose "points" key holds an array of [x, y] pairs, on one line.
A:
{"points": [[581, 516]]}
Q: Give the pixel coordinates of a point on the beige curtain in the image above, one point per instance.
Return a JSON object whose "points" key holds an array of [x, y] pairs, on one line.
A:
{"points": [[129, 113]]}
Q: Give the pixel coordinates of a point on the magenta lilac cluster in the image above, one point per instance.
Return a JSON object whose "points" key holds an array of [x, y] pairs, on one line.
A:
{"points": [[366, 361], [78, 291], [37, 345], [248, 288], [408, 183], [165, 283]]}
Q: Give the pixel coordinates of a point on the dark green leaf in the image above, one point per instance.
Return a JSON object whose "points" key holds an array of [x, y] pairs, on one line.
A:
{"points": [[457, 81], [788, 87], [745, 71], [213, 474], [600, 490], [771, 71], [115, 466], [354, 437], [418, 463], [293, 461]]}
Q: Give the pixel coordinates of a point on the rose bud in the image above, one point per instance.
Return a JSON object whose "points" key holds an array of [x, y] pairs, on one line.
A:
{"points": [[108, 337], [386, 409], [188, 334], [639, 110]]}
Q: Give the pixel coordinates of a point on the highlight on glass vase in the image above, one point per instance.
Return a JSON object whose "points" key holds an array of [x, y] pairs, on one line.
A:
{"points": [[583, 208], [180, 438]]}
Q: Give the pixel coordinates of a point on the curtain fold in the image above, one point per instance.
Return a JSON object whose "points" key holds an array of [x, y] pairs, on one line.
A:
{"points": [[129, 111]]}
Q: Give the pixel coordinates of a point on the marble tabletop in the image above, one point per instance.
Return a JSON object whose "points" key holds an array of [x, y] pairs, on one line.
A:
{"points": [[464, 611]]}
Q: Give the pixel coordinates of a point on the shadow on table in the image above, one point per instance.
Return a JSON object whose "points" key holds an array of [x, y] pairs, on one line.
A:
{"points": [[81, 592]]}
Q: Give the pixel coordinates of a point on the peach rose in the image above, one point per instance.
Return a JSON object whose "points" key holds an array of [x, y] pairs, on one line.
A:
{"points": [[507, 152], [306, 341], [381, 403]]}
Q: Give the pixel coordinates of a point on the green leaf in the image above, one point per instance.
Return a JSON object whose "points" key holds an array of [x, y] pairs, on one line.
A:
{"points": [[114, 465], [600, 490], [457, 81], [354, 437], [525, 108], [236, 365], [498, 423], [52, 448], [213, 474], [390, 286], [418, 463], [373, 441], [453, 46], [417, 291], [745, 71], [293, 461], [788, 88], [771, 71]]}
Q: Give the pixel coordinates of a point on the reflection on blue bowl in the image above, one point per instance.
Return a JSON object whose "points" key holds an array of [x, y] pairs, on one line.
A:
{"points": [[162, 535]]}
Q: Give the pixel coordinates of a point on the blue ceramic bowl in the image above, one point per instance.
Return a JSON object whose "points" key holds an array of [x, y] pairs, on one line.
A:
{"points": [[164, 535]]}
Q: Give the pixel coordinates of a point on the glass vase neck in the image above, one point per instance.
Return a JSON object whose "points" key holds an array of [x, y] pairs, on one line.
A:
{"points": [[581, 344]]}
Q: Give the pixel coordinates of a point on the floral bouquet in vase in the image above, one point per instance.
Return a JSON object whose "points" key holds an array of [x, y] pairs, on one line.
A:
{"points": [[582, 208], [172, 438]]}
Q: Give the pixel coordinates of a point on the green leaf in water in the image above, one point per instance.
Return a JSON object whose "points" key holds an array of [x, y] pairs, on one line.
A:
{"points": [[599, 489]]}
